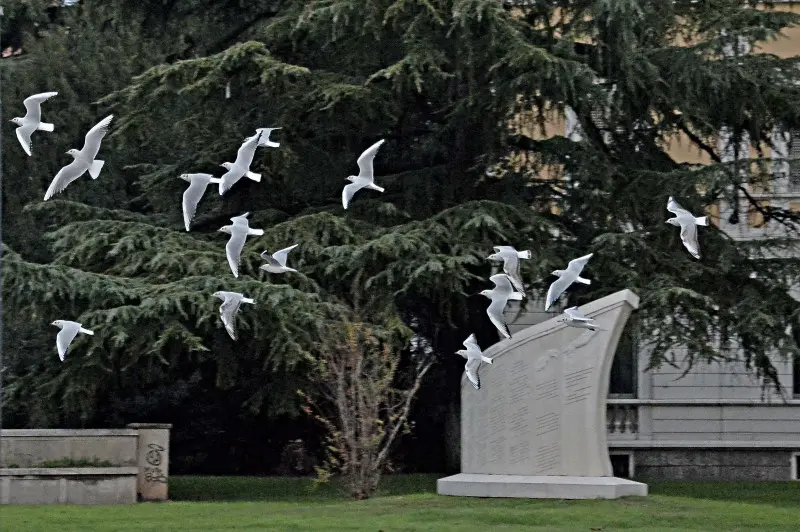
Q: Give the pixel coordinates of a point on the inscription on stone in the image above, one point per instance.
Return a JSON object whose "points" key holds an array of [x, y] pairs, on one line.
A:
{"points": [[548, 457], [577, 385]]}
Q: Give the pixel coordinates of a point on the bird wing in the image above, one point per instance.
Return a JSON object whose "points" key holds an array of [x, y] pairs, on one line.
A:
{"points": [[228, 310], [365, 161], [349, 191], [233, 249], [191, 197], [511, 268], [246, 152], [675, 208], [576, 265], [281, 255], [495, 312], [504, 249], [91, 144], [689, 238], [65, 176], [267, 256], [32, 105], [576, 314], [65, 337], [471, 369], [230, 178], [24, 136], [471, 342], [501, 282], [557, 288]]}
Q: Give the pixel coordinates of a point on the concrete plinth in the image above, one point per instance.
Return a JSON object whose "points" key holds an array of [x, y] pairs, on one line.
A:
{"points": [[152, 450], [539, 487]]}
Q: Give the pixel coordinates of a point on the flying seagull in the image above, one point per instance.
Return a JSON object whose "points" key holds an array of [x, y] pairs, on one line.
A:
{"points": [[510, 258], [474, 357], [566, 278], [241, 167], [266, 131], [84, 159], [500, 294], [192, 196], [239, 232], [69, 330], [276, 263], [688, 224], [231, 301], [365, 177], [573, 317], [32, 121]]}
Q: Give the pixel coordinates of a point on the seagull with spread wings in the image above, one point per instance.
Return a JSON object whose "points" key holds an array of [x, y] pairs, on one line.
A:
{"points": [[688, 223], [241, 166], [573, 317], [192, 195], [69, 330], [474, 357], [231, 301], [502, 292], [510, 258], [32, 121], [365, 177], [84, 159], [565, 278], [239, 232], [276, 262]]}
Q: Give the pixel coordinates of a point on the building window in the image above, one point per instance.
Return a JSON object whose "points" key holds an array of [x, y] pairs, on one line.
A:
{"points": [[754, 216], [622, 384], [622, 464], [796, 377], [795, 466]]}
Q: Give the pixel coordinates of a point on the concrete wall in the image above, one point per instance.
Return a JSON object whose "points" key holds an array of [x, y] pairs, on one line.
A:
{"points": [[28, 447], [713, 464], [91, 485]]}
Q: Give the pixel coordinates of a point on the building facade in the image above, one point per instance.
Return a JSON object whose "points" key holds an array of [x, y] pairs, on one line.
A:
{"points": [[716, 421]]}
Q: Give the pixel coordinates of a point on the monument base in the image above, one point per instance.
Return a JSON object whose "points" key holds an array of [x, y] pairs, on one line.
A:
{"points": [[538, 487]]}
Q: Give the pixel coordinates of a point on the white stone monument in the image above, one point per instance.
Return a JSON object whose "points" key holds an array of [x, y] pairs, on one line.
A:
{"points": [[537, 427]]}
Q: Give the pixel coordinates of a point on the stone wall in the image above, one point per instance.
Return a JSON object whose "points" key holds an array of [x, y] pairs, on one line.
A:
{"points": [[713, 464]]}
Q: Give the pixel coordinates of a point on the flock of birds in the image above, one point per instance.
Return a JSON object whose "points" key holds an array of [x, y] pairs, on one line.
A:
{"points": [[508, 286]]}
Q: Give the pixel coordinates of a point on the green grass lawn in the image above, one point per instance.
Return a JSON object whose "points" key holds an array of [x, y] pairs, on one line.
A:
{"points": [[409, 502]]}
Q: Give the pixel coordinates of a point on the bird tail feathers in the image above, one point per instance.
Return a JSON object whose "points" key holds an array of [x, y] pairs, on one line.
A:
{"points": [[215, 181], [255, 232], [254, 176], [486, 359], [46, 126], [583, 281], [376, 187], [515, 296], [701, 220], [94, 169], [248, 300], [87, 331], [524, 254]]}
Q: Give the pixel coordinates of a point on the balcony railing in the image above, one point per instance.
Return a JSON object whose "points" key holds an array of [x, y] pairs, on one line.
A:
{"points": [[622, 421]]}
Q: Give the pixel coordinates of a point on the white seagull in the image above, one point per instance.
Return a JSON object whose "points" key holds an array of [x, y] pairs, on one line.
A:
{"points": [[266, 131], [69, 330], [192, 196], [84, 159], [573, 317], [231, 301], [510, 258], [500, 294], [276, 263], [239, 232], [474, 357], [365, 177], [566, 278], [32, 121], [241, 167], [688, 223]]}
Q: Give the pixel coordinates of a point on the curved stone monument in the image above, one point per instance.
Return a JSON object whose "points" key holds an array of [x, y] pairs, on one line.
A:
{"points": [[537, 426]]}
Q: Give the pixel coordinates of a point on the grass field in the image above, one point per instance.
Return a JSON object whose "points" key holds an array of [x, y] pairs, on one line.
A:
{"points": [[409, 503]]}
